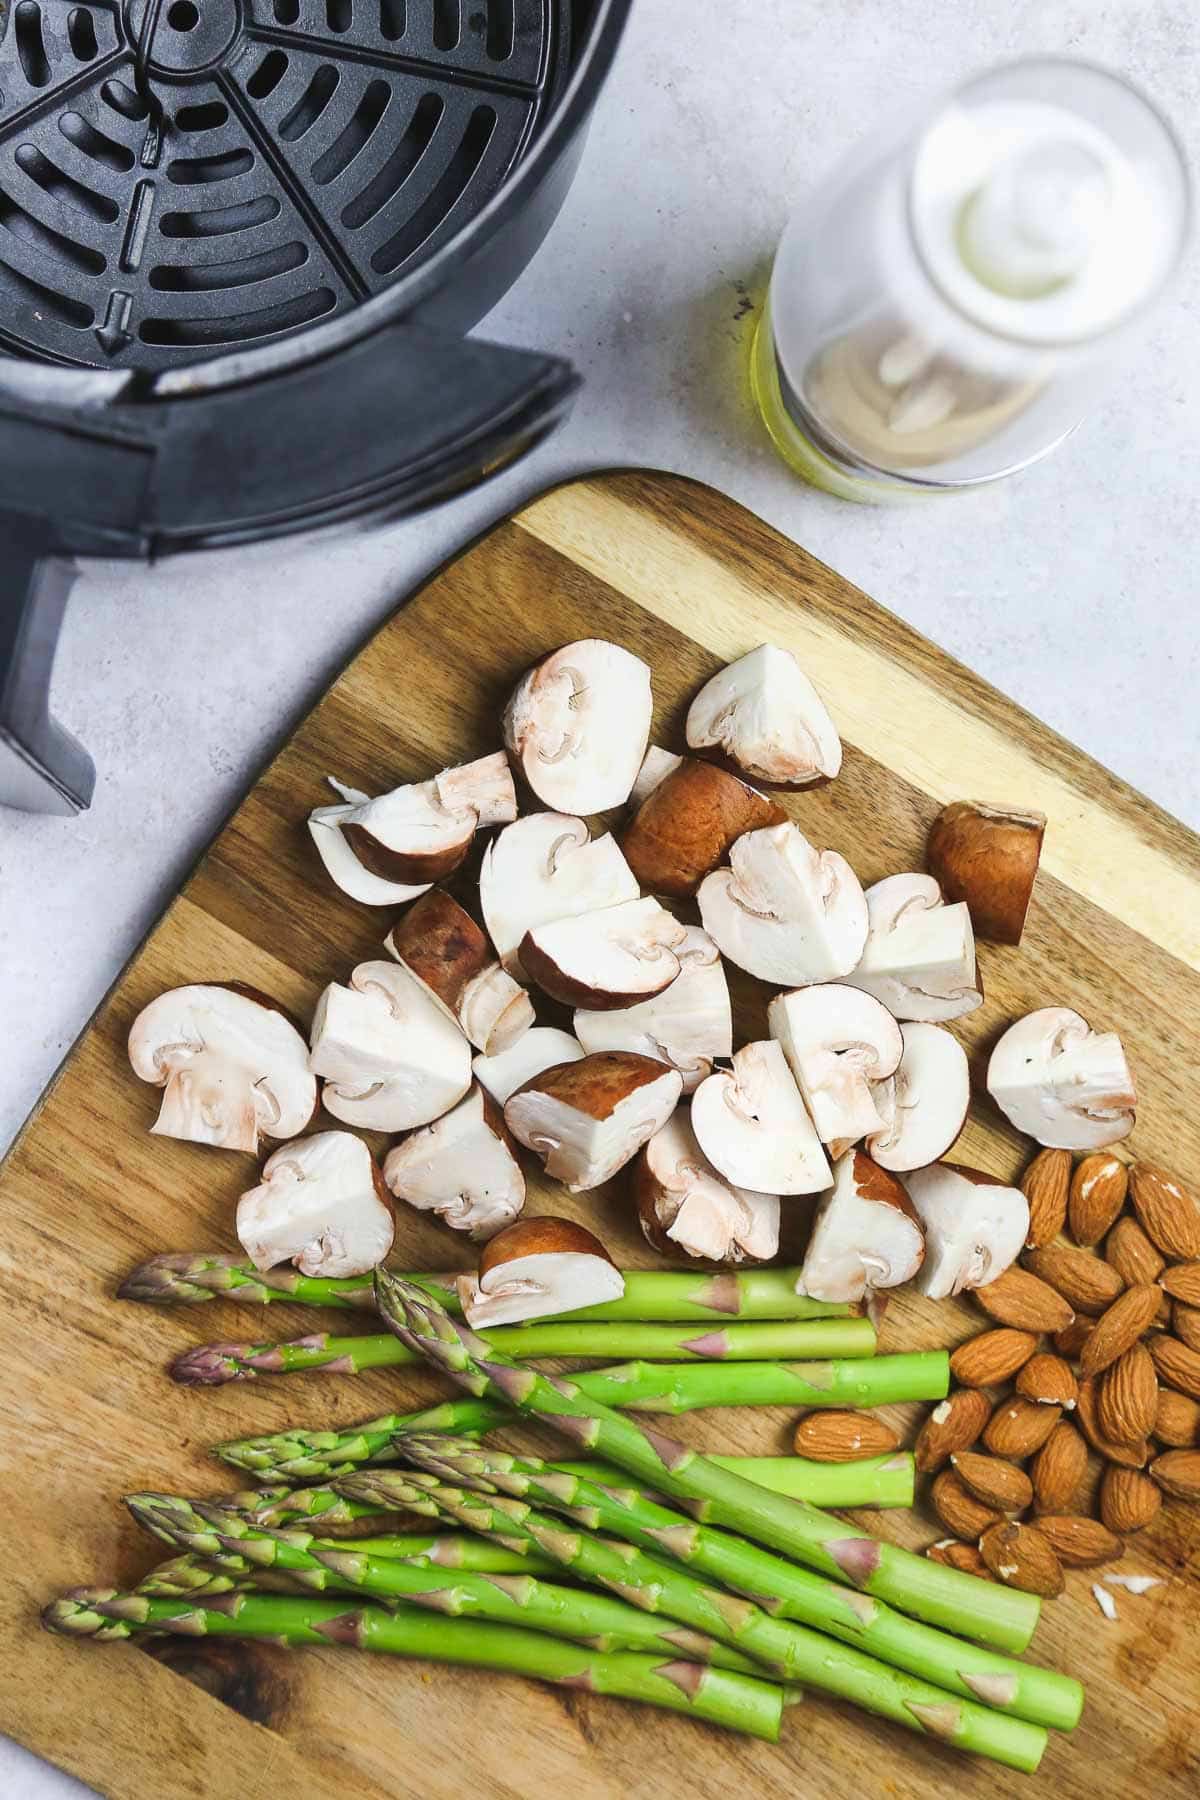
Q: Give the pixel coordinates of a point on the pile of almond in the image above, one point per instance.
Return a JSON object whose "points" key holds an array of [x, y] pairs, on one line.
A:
{"points": [[1095, 1342]]}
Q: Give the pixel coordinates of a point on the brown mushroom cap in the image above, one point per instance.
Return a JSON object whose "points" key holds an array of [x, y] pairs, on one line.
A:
{"points": [[614, 957], [539, 1267], [440, 943], [587, 1119], [542, 1236], [686, 825], [988, 856]]}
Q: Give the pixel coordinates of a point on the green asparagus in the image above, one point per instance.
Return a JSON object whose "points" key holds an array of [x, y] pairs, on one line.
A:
{"points": [[876, 1481]]}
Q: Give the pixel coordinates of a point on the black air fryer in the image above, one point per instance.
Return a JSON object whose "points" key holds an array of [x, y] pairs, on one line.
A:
{"points": [[240, 243]]}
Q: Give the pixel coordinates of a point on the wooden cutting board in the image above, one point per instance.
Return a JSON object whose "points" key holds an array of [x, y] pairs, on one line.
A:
{"points": [[688, 580]]}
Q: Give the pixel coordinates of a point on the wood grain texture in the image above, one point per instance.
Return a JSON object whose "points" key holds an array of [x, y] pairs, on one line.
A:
{"points": [[686, 579]]}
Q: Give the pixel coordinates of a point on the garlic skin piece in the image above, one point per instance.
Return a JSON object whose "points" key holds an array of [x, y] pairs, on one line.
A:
{"points": [[764, 715], [1067, 1086], [320, 1205]]}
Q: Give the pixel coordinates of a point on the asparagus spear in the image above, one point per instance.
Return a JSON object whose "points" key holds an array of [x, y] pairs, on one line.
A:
{"points": [[313, 1455], [605, 1501], [1001, 1617], [876, 1481], [211, 1364], [722, 1696], [243, 1549], [185, 1277], [440, 1549]]}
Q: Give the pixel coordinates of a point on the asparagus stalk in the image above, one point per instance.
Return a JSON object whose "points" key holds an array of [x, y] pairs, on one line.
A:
{"points": [[606, 1502], [185, 1277], [442, 1549], [1001, 1617], [315, 1455], [876, 1481], [721, 1696]]}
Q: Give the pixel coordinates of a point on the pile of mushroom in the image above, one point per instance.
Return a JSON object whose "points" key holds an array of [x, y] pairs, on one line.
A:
{"points": [[857, 1084]]}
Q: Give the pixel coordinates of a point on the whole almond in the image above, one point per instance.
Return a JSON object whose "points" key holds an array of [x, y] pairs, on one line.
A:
{"points": [[1098, 1189], [1058, 1469], [1178, 1473], [838, 1437], [1018, 1298], [1070, 1342], [1046, 1184], [1182, 1282], [993, 1480], [958, 1509], [1129, 1500], [1177, 1366], [1049, 1379], [1185, 1324], [1127, 1398], [1086, 1282], [1130, 1456], [962, 1556], [1120, 1327], [992, 1357], [954, 1424], [1177, 1421], [1019, 1427], [1132, 1254], [1020, 1557], [1079, 1542], [1166, 1211]]}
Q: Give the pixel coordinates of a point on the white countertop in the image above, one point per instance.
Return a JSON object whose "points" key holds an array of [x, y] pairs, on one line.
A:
{"points": [[1073, 588]]}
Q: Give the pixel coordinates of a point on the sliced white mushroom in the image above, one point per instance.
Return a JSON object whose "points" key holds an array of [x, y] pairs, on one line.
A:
{"points": [[1066, 1085], [463, 1167], [542, 1048], [837, 1041], [440, 943], [577, 724], [919, 958], [766, 717], [923, 1106], [687, 1026], [320, 1205], [536, 1268], [547, 867], [232, 1065], [753, 1126], [866, 1235], [784, 911], [325, 828], [975, 1227], [615, 957], [587, 1119], [657, 764], [390, 1056], [684, 1203]]}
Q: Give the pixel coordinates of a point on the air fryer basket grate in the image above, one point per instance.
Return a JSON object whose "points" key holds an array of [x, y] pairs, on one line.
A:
{"points": [[312, 151]]}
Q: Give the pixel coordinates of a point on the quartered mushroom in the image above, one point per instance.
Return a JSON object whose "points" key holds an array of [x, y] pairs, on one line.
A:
{"points": [[440, 943], [657, 764], [784, 911], [923, 1106], [866, 1235], [765, 716], [919, 958], [975, 1227], [753, 1126], [390, 1056], [536, 1268], [988, 856], [232, 1065], [463, 1167], [1066, 1085], [320, 1205], [688, 821], [599, 960], [688, 1026], [587, 1119], [684, 1203], [545, 867], [542, 1048], [577, 724], [838, 1042]]}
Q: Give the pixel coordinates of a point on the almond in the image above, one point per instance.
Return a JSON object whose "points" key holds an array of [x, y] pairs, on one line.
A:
{"points": [[1177, 1366], [1086, 1282], [992, 1357], [1019, 1427], [1048, 1379], [1120, 1327], [961, 1556], [1098, 1189], [1182, 1282], [1185, 1324], [1020, 1557], [1166, 1211], [993, 1480], [1078, 1542], [1071, 1341], [1130, 1456], [1020, 1299], [1058, 1469], [1129, 1500], [954, 1424], [1131, 1253], [1177, 1421], [1178, 1473], [959, 1510], [1046, 1184], [1127, 1398], [837, 1437]]}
